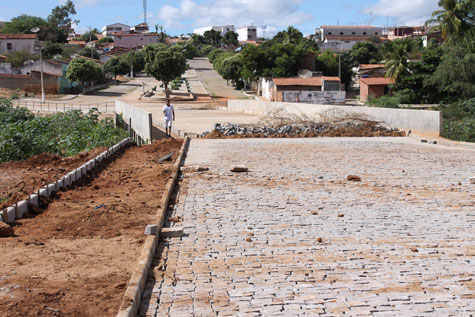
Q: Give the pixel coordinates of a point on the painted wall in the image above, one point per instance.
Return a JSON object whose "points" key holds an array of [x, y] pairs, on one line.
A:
{"points": [[131, 41], [422, 121], [141, 121], [32, 46], [315, 97]]}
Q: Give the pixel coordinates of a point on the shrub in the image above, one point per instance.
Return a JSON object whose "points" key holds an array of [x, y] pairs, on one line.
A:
{"points": [[384, 102]]}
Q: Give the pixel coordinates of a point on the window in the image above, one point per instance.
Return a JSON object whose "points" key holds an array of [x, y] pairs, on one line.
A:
{"points": [[341, 33], [364, 33], [9, 46], [375, 33], [353, 33], [347, 42], [329, 33]]}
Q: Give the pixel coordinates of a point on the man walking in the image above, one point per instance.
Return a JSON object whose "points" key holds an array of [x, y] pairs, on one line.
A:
{"points": [[169, 116]]}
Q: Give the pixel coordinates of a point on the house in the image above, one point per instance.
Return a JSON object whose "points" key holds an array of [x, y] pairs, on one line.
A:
{"points": [[221, 29], [320, 89], [140, 28], [50, 66], [134, 40], [342, 38], [108, 30], [74, 43], [6, 67], [10, 43], [247, 33], [374, 87], [117, 51]]}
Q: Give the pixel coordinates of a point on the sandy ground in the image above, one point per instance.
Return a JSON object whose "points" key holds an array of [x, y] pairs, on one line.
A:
{"points": [[76, 256]]}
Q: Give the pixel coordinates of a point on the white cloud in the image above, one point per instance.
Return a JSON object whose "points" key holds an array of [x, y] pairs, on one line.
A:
{"points": [[405, 12], [278, 13]]}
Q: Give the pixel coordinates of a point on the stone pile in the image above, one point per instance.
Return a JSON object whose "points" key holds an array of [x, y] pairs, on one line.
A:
{"points": [[315, 128]]}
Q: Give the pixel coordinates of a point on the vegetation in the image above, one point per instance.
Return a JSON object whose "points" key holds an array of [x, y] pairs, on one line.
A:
{"points": [[89, 36], [18, 58], [164, 64], [24, 135], [23, 24], [116, 66], [83, 70]]}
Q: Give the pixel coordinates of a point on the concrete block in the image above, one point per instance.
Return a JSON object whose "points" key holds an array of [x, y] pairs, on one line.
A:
{"points": [[22, 209], [84, 170], [44, 192], [34, 200], [10, 214], [51, 188], [66, 180], [151, 229], [472, 180], [1, 217], [88, 166], [60, 184], [175, 232], [78, 174]]}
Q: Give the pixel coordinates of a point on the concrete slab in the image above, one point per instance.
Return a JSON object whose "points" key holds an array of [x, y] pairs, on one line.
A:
{"points": [[34, 200], [22, 209], [175, 232], [51, 188], [44, 192], [11, 214]]}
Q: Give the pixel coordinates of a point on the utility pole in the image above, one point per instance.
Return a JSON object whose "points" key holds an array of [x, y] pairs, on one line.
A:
{"points": [[36, 30], [145, 11], [90, 40]]}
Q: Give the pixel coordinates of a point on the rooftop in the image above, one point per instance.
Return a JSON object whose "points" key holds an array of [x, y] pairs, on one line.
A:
{"points": [[18, 36], [371, 66], [298, 81], [349, 27], [377, 81]]}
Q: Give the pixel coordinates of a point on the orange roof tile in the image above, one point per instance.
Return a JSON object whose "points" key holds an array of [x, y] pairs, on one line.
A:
{"points": [[18, 36], [77, 42], [377, 81], [298, 81], [14, 76]]}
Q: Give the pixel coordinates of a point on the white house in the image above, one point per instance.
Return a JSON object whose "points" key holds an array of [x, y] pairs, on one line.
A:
{"points": [[107, 30], [342, 38], [247, 33], [222, 29]]}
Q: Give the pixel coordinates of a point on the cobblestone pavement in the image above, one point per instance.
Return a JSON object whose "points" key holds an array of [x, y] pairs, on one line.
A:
{"points": [[293, 237]]}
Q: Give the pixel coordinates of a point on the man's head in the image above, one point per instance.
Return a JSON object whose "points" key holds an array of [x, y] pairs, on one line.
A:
{"points": [[168, 102]]}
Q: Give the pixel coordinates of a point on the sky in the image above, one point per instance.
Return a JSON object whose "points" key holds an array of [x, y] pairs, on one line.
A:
{"points": [[182, 16]]}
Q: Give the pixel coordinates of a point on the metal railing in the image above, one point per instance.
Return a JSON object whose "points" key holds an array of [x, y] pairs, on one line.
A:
{"points": [[103, 107]]}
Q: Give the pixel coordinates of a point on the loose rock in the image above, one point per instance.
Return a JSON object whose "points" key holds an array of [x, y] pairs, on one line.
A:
{"points": [[472, 180], [239, 169], [353, 178], [6, 230]]}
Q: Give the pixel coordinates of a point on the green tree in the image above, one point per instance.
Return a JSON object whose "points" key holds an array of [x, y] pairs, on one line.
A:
{"points": [[151, 50], [254, 62], [327, 62], [231, 68], [365, 53], [165, 66], [50, 49], [116, 66], [397, 64], [18, 58], [214, 54], [23, 24], [138, 60], [212, 37], [83, 70], [86, 52], [89, 36], [205, 50], [231, 38], [106, 40], [60, 22], [450, 19]]}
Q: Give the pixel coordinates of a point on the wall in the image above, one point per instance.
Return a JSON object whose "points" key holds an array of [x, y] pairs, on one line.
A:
{"points": [[421, 121], [50, 68], [140, 121], [134, 40], [315, 97], [28, 45], [373, 90], [278, 93], [13, 82]]}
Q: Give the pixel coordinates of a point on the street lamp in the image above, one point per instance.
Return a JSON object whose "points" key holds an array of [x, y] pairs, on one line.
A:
{"points": [[36, 30]]}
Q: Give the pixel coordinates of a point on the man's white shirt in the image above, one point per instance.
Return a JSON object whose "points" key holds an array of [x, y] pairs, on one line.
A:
{"points": [[168, 112]]}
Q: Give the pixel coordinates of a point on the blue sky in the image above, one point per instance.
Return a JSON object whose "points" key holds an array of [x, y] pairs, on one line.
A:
{"points": [[182, 16]]}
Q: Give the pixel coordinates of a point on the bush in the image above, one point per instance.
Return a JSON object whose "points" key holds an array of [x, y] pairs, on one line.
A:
{"points": [[214, 54], [383, 102], [205, 50], [23, 135]]}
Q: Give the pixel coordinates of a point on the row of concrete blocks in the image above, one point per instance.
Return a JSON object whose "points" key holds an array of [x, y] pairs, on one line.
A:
{"points": [[17, 211]]}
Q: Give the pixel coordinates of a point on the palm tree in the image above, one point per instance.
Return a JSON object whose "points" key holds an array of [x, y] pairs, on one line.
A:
{"points": [[449, 20], [397, 63], [292, 35]]}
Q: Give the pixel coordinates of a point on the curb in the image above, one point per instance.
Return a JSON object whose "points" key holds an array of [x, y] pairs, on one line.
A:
{"points": [[10, 214], [133, 295]]}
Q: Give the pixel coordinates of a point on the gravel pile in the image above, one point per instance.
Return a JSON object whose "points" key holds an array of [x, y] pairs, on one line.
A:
{"points": [[313, 129]]}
